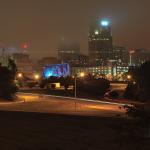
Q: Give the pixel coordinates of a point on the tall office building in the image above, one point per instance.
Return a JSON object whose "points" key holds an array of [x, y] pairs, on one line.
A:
{"points": [[100, 43]]}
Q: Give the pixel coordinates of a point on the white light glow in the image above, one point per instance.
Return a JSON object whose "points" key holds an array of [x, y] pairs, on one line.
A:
{"points": [[104, 23]]}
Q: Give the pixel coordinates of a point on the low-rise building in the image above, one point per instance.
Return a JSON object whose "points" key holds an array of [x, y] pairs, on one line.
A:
{"points": [[109, 72], [139, 56], [24, 64]]}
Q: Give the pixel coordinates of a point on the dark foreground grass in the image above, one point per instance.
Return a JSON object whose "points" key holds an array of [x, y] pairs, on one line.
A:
{"points": [[36, 131]]}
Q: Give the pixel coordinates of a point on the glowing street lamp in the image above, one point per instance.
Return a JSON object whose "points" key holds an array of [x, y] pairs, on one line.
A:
{"points": [[82, 74], [129, 77], [20, 75], [36, 76]]}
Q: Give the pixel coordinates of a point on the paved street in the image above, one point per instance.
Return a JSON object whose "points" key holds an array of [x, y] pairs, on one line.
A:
{"points": [[48, 104]]}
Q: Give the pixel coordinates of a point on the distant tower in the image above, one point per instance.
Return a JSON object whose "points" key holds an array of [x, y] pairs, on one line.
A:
{"points": [[100, 43], [68, 52], [131, 52]]}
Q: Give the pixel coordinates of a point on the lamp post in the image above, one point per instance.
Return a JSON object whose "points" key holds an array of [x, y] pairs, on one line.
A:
{"points": [[75, 83], [20, 79], [75, 88]]}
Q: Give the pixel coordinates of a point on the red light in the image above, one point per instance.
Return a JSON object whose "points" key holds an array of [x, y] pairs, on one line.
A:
{"points": [[24, 46]]}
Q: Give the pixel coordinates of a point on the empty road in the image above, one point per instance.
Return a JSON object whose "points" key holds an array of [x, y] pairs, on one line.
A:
{"points": [[62, 105]]}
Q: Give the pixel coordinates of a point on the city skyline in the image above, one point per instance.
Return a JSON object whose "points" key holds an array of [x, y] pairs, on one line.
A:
{"points": [[44, 25]]}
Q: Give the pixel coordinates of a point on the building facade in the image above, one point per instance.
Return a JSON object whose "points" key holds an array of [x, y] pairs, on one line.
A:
{"points": [[120, 55], [139, 56], [44, 62], [100, 43], [24, 64], [109, 72]]}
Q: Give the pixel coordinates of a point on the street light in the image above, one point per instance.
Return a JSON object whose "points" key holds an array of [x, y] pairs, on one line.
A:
{"points": [[36, 76], [129, 77], [82, 74], [19, 75]]}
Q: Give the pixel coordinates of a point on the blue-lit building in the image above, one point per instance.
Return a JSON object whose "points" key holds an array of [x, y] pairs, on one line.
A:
{"points": [[56, 70]]}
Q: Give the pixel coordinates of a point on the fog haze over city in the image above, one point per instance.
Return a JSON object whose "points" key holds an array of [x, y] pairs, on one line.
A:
{"points": [[75, 74], [43, 24]]}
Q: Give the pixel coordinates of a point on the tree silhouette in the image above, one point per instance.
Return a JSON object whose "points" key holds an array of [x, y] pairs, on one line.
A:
{"points": [[7, 83], [139, 87]]}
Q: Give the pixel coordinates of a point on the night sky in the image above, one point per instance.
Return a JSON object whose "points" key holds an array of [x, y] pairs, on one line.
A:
{"points": [[44, 23]]}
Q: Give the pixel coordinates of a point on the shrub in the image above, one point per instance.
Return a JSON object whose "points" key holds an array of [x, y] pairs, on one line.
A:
{"points": [[114, 95], [96, 87], [139, 87]]}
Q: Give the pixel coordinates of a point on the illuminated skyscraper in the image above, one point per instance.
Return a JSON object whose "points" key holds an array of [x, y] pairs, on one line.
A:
{"points": [[100, 43]]}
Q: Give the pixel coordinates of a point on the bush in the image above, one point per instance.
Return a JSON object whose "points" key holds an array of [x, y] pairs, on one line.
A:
{"points": [[31, 84], [96, 87], [141, 111], [114, 95], [139, 87], [131, 91]]}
